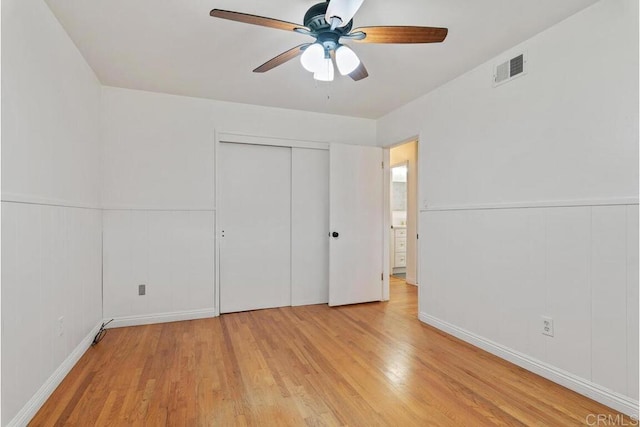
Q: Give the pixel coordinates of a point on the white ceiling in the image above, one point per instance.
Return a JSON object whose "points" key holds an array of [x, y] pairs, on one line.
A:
{"points": [[174, 46]]}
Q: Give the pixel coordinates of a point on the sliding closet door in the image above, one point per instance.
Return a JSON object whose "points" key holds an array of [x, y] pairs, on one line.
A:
{"points": [[255, 224], [309, 226]]}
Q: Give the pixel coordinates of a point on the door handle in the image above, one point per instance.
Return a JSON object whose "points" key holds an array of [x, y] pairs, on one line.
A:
{"points": [[335, 234]]}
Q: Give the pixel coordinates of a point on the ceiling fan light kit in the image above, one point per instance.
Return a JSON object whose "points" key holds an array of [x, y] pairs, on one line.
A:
{"points": [[326, 72], [346, 60], [317, 59], [313, 57], [330, 22]]}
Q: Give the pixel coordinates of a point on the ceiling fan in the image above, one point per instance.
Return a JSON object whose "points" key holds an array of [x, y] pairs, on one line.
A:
{"points": [[329, 23]]}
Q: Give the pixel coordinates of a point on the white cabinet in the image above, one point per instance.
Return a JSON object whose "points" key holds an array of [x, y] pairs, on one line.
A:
{"points": [[399, 258]]}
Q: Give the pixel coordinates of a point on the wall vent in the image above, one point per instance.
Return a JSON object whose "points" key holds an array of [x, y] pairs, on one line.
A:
{"points": [[509, 70]]}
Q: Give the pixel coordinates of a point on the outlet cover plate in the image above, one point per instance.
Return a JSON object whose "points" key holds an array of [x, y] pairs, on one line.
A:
{"points": [[547, 326], [60, 326]]}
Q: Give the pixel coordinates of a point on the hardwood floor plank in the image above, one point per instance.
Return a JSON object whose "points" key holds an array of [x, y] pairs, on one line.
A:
{"points": [[369, 364]]}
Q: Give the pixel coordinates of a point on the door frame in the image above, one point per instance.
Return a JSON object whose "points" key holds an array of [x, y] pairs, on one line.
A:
{"points": [[237, 138], [387, 217]]}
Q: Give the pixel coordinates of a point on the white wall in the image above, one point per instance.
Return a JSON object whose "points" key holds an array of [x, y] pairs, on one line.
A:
{"points": [[494, 272], [158, 153], [51, 268], [564, 134], [50, 107], [159, 149], [51, 224], [568, 130], [171, 252], [409, 153]]}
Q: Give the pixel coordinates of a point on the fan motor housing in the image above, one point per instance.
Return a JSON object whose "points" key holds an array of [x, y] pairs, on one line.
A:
{"points": [[329, 40]]}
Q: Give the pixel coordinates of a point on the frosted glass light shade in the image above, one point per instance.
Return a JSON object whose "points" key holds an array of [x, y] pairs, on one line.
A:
{"points": [[312, 58], [347, 60], [344, 10], [325, 72]]}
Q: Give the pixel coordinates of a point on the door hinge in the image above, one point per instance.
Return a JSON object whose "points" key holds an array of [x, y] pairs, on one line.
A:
{"points": [[382, 276], [417, 236], [382, 164]]}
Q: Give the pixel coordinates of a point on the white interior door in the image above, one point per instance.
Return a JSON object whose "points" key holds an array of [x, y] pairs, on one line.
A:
{"points": [[255, 226], [356, 216]]}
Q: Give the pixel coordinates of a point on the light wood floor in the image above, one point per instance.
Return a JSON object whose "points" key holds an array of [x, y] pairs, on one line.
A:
{"points": [[363, 365]]}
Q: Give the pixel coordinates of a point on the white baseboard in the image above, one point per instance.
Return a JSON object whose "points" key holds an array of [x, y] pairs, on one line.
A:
{"points": [[593, 391], [34, 404], [310, 302], [148, 319], [410, 280]]}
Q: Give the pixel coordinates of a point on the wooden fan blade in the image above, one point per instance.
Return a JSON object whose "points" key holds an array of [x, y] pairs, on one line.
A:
{"points": [[359, 73], [255, 20], [281, 59], [402, 34]]}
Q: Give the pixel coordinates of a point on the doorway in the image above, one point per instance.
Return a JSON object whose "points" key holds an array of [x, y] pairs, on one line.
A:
{"points": [[403, 212], [398, 236]]}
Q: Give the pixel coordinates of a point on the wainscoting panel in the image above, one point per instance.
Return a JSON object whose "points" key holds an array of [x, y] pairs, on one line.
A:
{"points": [[495, 272], [51, 295], [170, 252]]}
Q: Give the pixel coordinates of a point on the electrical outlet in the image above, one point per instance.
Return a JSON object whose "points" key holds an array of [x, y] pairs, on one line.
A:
{"points": [[60, 326], [142, 289], [547, 325]]}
